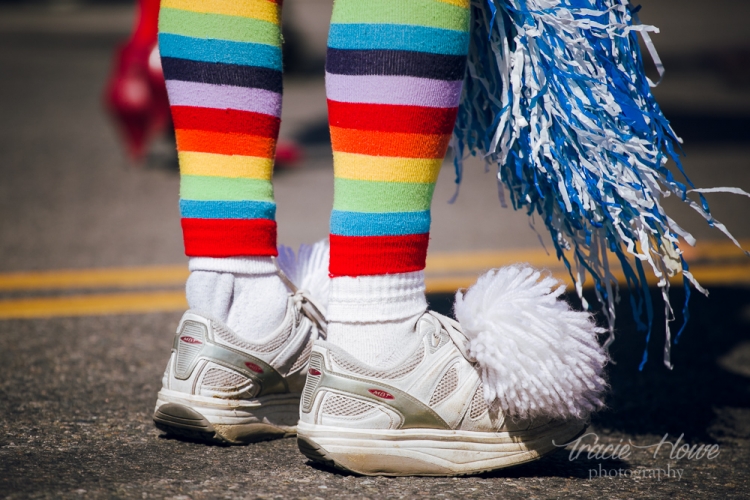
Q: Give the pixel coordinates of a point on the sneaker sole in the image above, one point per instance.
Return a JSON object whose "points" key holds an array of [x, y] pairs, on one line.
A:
{"points": [[427, 452], [217, 421]]}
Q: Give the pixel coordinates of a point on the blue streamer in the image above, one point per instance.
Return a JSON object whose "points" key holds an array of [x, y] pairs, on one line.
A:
{"points": [[555, 93]]}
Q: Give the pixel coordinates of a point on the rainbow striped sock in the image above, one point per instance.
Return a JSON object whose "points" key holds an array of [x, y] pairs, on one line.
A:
{"points": [[222, 64], [394, 71]]}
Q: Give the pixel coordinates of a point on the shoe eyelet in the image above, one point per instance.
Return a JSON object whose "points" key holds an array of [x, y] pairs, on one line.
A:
{"points": [[435, 341]]}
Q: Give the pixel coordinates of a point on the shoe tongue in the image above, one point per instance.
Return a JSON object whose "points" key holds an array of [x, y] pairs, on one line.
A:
{"points": [[428, 325]]}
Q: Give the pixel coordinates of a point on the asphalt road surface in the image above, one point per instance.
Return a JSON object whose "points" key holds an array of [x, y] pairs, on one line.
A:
{"points": [[77, 393]]}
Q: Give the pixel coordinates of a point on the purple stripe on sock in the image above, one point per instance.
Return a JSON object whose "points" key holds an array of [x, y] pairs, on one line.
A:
{"points": [[207, 95], [406, 90]]}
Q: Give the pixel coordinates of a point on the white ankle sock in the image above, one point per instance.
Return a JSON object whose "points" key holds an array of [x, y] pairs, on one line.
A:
{"points": [[243, 292], [373, 318]]}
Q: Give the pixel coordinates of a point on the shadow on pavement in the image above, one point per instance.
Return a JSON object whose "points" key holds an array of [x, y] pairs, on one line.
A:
{"points": [[685, 400]]}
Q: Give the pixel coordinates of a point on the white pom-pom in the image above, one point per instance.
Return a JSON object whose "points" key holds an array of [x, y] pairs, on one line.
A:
{"points": [[287, 261], [537, 356], [309, 269]]}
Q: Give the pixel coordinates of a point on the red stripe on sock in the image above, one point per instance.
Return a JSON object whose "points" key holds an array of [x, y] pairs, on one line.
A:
{"points": [[229, 237], [392, 117], [225, 120], [370, 255]]}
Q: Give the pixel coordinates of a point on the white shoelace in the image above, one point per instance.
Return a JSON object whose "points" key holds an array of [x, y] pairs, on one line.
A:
{"points": [[304, 303], [457, 335]]}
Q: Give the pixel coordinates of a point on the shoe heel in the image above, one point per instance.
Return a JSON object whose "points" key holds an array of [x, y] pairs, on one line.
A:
{"points": [[315, 453], [182, 421], [185, 422]]}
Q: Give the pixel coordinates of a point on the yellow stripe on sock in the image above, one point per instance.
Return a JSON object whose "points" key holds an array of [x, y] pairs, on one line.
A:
{"points": [[257, 9], [385, 169], [216, 165]]}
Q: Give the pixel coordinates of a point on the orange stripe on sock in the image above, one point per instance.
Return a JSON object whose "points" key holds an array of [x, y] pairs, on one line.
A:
{"points": [[374, 143], [204, 141]]}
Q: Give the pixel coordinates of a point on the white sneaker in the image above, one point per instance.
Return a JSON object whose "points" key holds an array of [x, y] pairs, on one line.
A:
{"points": [[425, 416], [220, 388]]}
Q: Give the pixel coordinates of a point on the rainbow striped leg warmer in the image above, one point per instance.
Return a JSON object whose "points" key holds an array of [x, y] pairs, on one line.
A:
{"points": [[222, 64], [394, 73]]}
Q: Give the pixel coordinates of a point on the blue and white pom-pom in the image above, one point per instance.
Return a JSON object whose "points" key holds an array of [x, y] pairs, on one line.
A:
{"points": [[555, 93]]}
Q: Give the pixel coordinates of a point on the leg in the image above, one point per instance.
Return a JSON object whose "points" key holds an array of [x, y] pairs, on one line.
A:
{"points": [[222, 63], [393, 78], [238, 359], [397, 390]]}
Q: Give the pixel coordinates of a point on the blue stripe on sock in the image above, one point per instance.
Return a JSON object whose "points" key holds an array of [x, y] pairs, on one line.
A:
{"points": [[220, 51], [398, 37], [379, 224], [195, 209]]}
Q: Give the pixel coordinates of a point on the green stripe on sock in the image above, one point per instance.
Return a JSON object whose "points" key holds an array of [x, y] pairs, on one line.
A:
{"points": [[382, 197], [198, 187], [414, 12], [218, 26]]}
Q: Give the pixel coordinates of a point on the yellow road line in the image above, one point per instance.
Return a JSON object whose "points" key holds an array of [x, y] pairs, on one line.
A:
{"points": [[125, 277], [448, 262], [93, 305], [715, 250], [145, 302], [716, 263], [710, 275], [477, 261], [437, 263]]}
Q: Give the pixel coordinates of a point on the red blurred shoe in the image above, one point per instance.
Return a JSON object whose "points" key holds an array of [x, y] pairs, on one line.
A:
{"points": [[288, 155], [136, 95]]}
